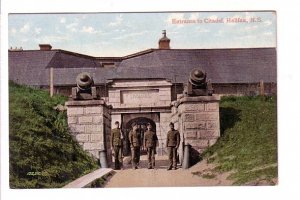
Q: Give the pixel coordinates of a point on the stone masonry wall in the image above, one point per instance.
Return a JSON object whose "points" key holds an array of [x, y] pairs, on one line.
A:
{"points": [[199, 121], [89, 123], [162, 129]]}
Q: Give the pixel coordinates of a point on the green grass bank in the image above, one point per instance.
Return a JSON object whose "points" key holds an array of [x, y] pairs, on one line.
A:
{"points": [[42, 152], [248, 143]]}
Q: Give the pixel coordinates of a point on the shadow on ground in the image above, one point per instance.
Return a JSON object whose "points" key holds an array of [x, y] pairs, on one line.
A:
{"points": [[161, 162], [228, 118]]}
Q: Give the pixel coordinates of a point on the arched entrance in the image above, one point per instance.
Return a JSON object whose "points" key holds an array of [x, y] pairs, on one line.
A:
{"points": [[142, 123], [142, 127]]}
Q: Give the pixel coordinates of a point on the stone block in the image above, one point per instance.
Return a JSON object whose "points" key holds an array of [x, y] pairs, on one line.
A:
{"points": [[207, 116], [165, 117], [193, 107], [85, 103], [115, 105], [93, 128], [96, 137], [74, 111], [191, 135], [97, 119], [195, 125], [94, 154], [212, 141], [207, 134], [82, 137], [189, 117], [212, 124], [165, 97], [114, 100], [85, 119], [114, 94], [93, 146], [198, 143], [203, 143], [164, 90], [75, 128], [212, 106], [94, 110], [165, 102], [72, 120], [111, 94]]}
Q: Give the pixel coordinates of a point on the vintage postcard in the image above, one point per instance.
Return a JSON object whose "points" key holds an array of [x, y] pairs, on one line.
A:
{"points": [[149, 99]]}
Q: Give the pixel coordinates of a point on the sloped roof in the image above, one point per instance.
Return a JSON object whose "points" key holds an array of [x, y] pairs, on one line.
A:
{"points": [[65, 59], [29, 67], [222, 65]]}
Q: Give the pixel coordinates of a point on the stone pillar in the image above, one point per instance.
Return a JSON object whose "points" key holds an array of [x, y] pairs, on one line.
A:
{"points": [[90, 124], [199, 121]]}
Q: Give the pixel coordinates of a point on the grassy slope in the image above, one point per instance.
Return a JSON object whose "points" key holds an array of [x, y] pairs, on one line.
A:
{"points": [[248, 145], [42, 152]]}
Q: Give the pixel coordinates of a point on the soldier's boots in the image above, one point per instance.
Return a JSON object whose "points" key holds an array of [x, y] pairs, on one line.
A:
{"points": [[134, 167], [170, 168]]}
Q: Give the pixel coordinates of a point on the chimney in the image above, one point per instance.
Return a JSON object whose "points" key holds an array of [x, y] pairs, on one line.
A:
{"points": [[45, 47], [164, 42]]}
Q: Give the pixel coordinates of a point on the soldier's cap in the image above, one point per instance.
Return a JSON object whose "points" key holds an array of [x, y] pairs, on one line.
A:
{"points": [[117, 122], [171, 123], [133, 124]]}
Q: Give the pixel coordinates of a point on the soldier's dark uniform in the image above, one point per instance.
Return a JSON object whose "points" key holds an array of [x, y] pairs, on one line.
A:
{"points": [[116, 143], [135, 144], [172, 143], [150, 142]]}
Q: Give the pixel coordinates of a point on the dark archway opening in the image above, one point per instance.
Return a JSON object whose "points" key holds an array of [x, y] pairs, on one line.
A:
{"points": [[142, 127]]}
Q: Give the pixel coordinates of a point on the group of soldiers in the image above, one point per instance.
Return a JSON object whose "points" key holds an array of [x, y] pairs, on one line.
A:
{"points": [[149, 142]]}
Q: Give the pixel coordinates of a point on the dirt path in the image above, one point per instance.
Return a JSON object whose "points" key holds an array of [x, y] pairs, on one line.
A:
{"points": [[159, 177]]}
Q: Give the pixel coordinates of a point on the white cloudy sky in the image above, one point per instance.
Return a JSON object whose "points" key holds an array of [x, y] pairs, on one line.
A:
{"points": [[120, 34]]}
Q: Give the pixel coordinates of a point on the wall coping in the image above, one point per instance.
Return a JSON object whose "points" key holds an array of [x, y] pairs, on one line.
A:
{"points": [[87, 103], [88, 178], [214, 98]]}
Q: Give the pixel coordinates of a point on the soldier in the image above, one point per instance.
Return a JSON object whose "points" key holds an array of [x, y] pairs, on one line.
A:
{"points": [[116, 144], [135, 144], [150, 142], [173, 141]]}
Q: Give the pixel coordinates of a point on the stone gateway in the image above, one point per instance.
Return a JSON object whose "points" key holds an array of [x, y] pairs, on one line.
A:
{"points": [[138, 104]]}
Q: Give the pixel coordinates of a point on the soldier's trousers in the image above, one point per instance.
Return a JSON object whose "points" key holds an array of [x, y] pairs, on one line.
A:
{"points": [[151, 156], [172, 154], [135, 155], [118, 156]]}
